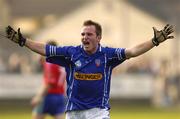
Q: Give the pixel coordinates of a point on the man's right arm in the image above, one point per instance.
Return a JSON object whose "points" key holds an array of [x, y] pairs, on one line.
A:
{"points": [[36, 47], [17, 37]]}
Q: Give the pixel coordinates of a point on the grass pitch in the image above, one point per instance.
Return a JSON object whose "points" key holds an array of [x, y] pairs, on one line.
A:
{"points": [[145, 113], [121, 112]]}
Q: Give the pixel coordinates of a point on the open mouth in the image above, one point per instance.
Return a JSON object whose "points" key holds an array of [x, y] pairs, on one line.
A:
{"points": [[86, 43]]}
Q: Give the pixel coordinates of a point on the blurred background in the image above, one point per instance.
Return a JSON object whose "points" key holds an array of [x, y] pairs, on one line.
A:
{"points": [[151, 80]]}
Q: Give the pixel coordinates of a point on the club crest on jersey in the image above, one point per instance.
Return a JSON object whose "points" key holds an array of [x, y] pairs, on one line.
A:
{"points": [[78, 63], [97, 62]]}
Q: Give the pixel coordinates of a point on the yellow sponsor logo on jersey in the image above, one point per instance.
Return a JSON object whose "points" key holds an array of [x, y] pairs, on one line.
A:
{"points": [[82, 76]]}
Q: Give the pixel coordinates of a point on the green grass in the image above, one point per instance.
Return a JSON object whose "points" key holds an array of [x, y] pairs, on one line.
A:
{"points": [[145, 113], [116, 113]]}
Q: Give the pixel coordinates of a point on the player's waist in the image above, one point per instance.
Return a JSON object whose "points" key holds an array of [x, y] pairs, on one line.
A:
{"points": [[79, 105], [55, 91]]}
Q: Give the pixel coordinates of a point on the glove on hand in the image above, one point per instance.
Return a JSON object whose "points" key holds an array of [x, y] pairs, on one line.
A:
{"points": [[162, 35], [15, 36]]}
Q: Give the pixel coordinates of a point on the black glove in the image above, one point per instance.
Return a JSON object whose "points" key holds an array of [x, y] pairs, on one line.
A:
{"points": [[162, 35], [15, 36], [22, 40], [10, 34]]}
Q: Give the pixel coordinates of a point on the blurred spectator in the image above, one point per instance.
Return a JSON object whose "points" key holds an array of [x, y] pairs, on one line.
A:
{"points": [[165, 90], [143, 65], [2, 66], [14, 63], [174, 88], [36, 65], [25, 67]]}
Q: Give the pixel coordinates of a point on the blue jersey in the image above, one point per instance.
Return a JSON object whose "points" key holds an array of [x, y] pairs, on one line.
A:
{"points": [[88, 76]]}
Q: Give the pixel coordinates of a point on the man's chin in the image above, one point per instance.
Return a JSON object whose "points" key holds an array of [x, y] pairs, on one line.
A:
{"points": [[86, 49]]}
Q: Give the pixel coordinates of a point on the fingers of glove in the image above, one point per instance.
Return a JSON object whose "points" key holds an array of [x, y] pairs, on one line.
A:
{"points": [[169, 28], [170, 31], [8, 29], [170, 37], [10, 32], [166, 27]]}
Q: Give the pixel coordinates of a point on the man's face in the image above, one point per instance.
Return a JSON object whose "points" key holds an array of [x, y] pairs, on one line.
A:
{"points": [[89, 39]]}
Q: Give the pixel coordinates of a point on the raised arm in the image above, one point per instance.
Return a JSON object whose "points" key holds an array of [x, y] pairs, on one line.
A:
{"points": [[159, 37], [35, 46], [139, 49], [18, 38]]}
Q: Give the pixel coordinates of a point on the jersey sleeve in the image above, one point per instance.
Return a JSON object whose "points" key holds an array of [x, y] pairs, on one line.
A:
{"points": [[58, 51], [58, 55], [115, 56]]}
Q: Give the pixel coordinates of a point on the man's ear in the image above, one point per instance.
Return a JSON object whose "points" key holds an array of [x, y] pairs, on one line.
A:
{"points": [[99, 38]]}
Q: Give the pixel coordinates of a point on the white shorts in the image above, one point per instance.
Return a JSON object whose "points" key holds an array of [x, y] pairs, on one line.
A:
{"points": [[94, 113]]}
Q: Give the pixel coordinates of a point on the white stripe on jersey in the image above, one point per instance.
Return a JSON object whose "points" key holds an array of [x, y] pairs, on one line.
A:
{"points": [[52, 50], [105, 78], [71, 87], [118, 52]]}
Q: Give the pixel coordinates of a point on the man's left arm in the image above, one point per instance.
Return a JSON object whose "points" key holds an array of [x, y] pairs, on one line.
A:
{"points": [[159, 37]]}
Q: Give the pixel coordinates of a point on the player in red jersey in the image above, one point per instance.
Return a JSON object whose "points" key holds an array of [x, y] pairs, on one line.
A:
{"points": [[50, 97]]}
